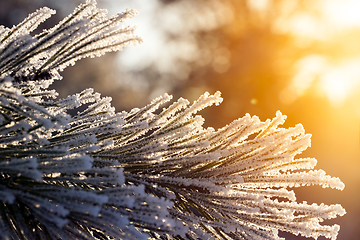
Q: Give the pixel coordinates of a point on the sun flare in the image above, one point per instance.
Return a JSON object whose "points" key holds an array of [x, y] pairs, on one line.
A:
{"points": [[343, 13], [337, 75], [341, 81]]}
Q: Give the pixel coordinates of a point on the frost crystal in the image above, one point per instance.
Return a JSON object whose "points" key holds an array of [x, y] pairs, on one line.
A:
{"points": [[143, 174]]}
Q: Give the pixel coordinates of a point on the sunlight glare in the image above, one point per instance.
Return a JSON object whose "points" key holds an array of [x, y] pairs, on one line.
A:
{"points": [[341, 81], [338, 78], [337, 82], [334, 14], [308, 70], [335, 89], [344, 13]]}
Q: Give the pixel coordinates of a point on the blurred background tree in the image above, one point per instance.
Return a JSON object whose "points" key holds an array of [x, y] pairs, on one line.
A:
{"points": [[263, 55]]}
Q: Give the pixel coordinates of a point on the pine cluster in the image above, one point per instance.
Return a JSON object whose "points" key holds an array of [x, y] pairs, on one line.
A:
{"points": [[143, 174]]}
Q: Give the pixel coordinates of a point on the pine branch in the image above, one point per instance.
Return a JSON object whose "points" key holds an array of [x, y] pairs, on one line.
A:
{"points": [[140, 174]]}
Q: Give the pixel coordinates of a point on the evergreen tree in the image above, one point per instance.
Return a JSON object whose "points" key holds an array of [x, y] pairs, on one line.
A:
{"points": [[143, 174]]}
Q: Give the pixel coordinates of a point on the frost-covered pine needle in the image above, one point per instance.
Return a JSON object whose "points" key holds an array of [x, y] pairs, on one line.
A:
{"points": [[141, 174]]}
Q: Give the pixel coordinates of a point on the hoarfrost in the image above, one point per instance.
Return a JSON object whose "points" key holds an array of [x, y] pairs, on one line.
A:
{"points": [[136, 174]]}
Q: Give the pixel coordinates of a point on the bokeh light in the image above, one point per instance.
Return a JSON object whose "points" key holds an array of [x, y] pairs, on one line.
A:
{"points": [[300, 57], [340, 76]]}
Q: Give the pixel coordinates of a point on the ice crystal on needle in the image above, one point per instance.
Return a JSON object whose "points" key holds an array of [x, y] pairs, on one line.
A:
{"points": [[141, 174]]}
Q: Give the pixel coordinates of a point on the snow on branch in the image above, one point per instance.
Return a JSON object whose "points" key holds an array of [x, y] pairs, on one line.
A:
{"points": [[143, 174]]}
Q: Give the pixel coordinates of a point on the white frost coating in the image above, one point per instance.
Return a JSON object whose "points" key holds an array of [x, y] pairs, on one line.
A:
{"points": [[252, 172], [99, 172], [6, 196], [24, 167]]}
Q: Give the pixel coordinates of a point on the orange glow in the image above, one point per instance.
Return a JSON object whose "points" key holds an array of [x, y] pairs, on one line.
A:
{"points": [[338, 77], [342, 13], [341, 81]]}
